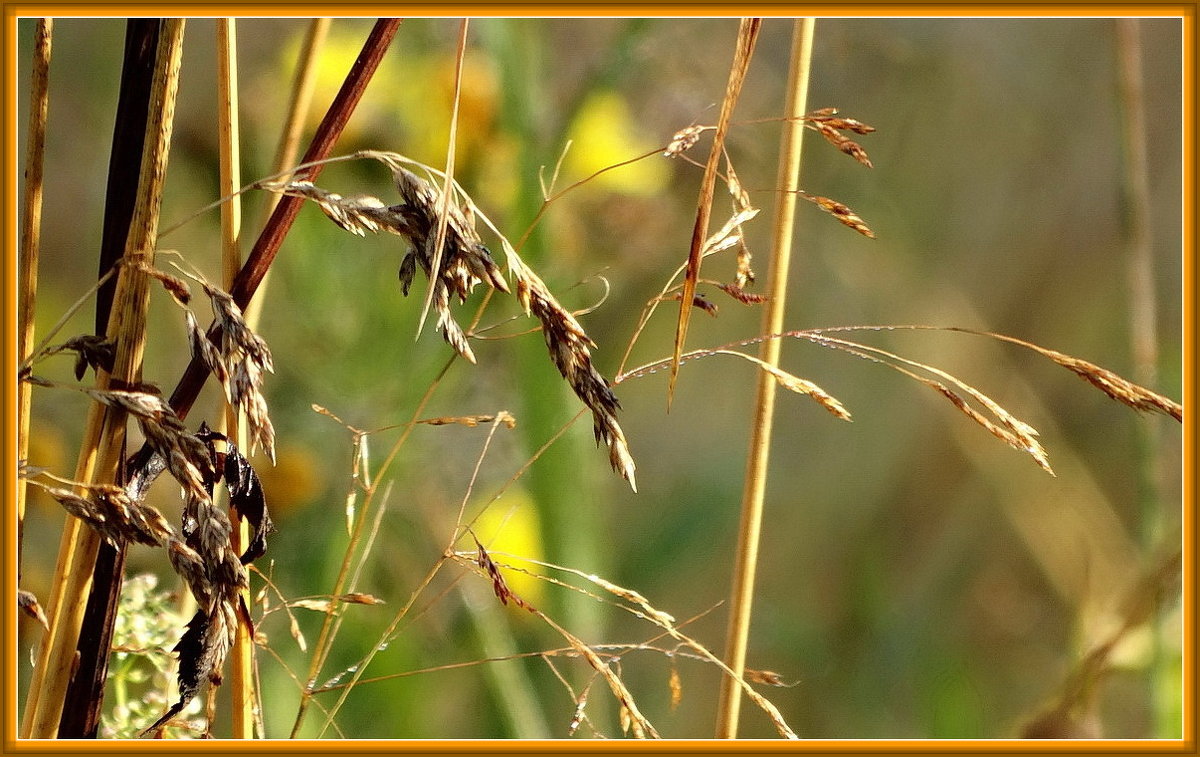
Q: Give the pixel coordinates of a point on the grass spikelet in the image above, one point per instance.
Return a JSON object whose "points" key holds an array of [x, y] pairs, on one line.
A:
{"points": [[1120, 389], [841, 212], [683, 140], [741, 295], [794, 383], [472, 421], [828, 124]]}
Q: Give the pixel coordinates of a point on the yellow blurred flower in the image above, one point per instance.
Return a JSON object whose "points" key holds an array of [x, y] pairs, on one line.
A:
{"points": [[509, 531], [604, 133]]}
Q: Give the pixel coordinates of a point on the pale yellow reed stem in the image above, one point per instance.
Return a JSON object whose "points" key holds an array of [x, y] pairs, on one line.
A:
{"points": [[31, 234], [241, 657], [750, 527]]}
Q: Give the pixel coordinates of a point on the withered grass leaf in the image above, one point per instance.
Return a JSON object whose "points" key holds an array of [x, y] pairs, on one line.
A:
{"points": [[748, 31], [247, 497], [90, 350]]}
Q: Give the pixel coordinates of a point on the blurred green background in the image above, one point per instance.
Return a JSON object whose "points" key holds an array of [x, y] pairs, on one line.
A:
{"points": [[918, 578]]}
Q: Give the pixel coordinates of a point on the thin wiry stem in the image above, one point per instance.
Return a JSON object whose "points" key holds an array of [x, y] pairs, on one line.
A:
{"points": [[333, 618], [746, 561]]}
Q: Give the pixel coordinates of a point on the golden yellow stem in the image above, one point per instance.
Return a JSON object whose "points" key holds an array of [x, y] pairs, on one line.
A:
{"points": [[100, 455], [241, 657], [31, 233], [773, 322]]}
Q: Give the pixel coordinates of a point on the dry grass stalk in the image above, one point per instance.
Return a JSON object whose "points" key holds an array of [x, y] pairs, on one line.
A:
{"points": [[31, 232], [101, 453], [235, 424], [746, 558], [747, 37]]}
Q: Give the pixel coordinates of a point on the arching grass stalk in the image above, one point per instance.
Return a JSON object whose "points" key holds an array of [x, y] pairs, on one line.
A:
{"points": [[742, 595]]}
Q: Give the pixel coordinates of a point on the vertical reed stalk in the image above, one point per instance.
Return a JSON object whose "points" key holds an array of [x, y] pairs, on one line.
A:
{"points": [[241, 657], [102, 452], [746, 560], [31, 234], [1143, 333]]}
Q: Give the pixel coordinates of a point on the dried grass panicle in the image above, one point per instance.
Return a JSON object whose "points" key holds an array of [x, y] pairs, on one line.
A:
{"points": [[499, 585], [465, 263], [1013, 432], [245, 356], [239, 361], [683, 140], [569, 350], [841, 212], [828, 124], [115, 516], [741, 295], [91, 350], [1120, 389], [744, 210], [186, 457]]}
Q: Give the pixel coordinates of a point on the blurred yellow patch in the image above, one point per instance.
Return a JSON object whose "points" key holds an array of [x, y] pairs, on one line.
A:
{"points": [[407, 107], [510, 527], [604, 133]]}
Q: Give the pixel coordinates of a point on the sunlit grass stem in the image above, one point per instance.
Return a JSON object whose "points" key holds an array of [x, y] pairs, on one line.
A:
{"points": [[750, 526]]}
